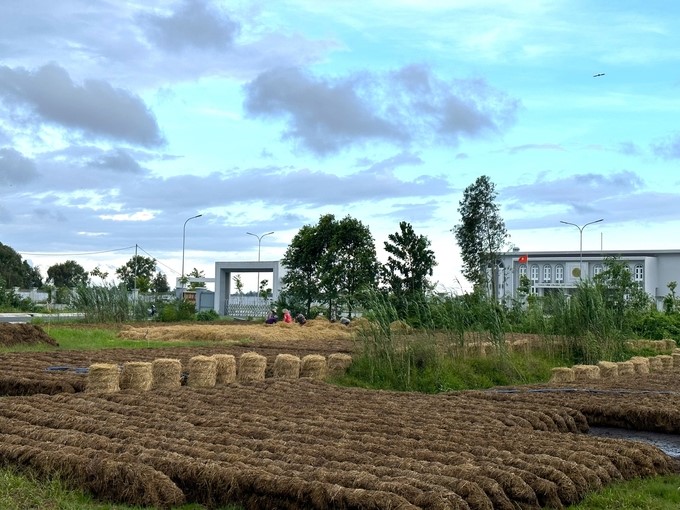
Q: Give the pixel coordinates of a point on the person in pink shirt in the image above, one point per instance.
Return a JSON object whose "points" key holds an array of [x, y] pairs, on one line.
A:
{"points": [[286, 316]]}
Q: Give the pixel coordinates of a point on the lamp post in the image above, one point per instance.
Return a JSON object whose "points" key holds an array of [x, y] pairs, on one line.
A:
{"points": [[580, 245], [184, 232], [259, 243]]}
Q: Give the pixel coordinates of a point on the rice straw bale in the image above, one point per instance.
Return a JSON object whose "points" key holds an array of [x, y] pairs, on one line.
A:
{"points": [[586, 372], [475, 349], [313, 366], [202, 372], [676, 359], [136, 375], [641, 364], [166, 373], [655, 364], [670, 344], [521, 346], [666, 361], [225, 364], [400, 328], [103, 378], [625, 368], [251, 367], [287, 366], [338, 363], [360, 323], [608, 369], [562, 374]]}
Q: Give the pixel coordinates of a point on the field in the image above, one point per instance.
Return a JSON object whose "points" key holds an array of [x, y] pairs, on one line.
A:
{"points": [[309, 444]]}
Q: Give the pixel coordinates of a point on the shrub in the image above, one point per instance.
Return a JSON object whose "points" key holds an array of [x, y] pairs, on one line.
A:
{"points": [[207, 315]]}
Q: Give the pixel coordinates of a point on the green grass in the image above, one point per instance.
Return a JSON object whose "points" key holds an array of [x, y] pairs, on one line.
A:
{"points": [[658, 493], [22, 491]]}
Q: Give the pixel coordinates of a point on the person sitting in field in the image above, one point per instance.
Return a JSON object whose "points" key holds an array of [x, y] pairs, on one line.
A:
{"points": [[286, 316], [300, 319], [344, 321], [272, 318]]}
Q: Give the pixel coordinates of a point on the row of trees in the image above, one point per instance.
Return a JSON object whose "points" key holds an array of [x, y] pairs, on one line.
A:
{"points": [[334, 264]]}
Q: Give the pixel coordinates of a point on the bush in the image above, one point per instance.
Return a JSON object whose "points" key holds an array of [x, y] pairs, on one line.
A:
{"points": [[207, 315], [177, 310]]}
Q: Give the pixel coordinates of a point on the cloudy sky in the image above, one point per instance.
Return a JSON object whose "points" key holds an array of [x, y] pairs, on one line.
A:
{"points": [[121, 119]]}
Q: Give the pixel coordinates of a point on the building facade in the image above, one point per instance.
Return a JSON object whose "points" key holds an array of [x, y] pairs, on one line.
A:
{"points": [[550, 271]]}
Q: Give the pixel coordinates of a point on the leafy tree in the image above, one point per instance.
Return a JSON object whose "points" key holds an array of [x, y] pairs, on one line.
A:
{"points": [[99, 273], [137, 273], [330, 263], [409, 264], [670, 301], [67, 274], [481, 235], [621, 293], [16, 272], [195, 273], [159, 283]]}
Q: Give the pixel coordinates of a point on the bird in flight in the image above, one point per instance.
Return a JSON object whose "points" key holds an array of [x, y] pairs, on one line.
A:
{"points": [[598, 75]]}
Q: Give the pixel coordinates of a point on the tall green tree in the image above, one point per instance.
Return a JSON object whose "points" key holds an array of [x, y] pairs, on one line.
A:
{"points": [[67, 274], [137, 273], [409, 265], [159, 283], [330, 263], [16, 272], [481, 235], [621, 293]]}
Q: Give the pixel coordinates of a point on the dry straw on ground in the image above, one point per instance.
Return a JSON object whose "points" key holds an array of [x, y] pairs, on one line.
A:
{"points": [[287, 366], [655, 364], [666, 361], [313, 366], [608, 369], [338, 363], [166, 373], [136, 375], [226, 368], [586, 372], [562, 374], [252, 367], [202, 372], [103, 378]]}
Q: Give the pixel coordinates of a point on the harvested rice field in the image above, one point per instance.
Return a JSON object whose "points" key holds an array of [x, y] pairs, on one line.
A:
{"points": [[302, 443]]}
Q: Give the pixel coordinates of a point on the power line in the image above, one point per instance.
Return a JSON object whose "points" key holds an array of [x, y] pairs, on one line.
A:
{"points": [[74, 254]]}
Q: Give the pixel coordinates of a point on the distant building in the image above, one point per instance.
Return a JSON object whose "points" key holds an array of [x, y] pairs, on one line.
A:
{"points": [[551, 271]]}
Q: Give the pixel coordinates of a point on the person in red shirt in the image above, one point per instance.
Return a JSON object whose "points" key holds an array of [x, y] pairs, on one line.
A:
{"points": [[286, 316]]}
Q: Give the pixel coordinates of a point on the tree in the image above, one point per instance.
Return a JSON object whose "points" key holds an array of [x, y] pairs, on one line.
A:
{"points": [[137, 273], [621, 293], [481, 235], [409, 264], [68, 274], [330, 263], [16, 272], [195, 273], [159, 283]]}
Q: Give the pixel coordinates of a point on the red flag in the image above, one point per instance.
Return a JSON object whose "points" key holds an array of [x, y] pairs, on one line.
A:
{"points": [[523, 259]]}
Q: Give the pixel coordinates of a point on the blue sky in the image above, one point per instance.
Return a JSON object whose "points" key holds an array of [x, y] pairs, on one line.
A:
{"points": [[120, 120]]}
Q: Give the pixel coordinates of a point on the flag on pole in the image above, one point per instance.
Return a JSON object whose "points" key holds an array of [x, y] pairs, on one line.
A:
{"points": [[523, 259]]}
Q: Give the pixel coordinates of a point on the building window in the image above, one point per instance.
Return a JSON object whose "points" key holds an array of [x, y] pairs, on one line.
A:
{"points": [[547, 273], [597, 269], [534, 273], [559, 273], [523, 270], [638, 273]]}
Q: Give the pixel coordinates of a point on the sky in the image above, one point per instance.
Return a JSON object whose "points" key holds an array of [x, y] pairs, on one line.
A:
{"points": [[120, 120]]}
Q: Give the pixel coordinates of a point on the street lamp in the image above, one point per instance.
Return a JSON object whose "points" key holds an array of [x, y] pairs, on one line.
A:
{"points": [[259, 242], [184, 232], [580, 246]]}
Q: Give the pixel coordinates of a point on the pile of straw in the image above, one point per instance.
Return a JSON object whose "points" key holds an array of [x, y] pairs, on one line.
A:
{"points": [[655, 364], [287, 366], [608, 370], [313, 366], [202, 372], [625, 368], [586, 372], [338, 363], [521, 346], [103, 378], [641, 364], [226, 368], [166, 373], [251, 367], [666, 361], [136, 375], [562, 374]]}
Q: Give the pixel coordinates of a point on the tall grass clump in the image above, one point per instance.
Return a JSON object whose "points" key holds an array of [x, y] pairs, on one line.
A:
{"points": [[108, 303], [587, 326]]}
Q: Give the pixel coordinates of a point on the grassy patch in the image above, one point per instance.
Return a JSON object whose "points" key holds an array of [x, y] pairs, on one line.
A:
{"points": [[658, 493]]}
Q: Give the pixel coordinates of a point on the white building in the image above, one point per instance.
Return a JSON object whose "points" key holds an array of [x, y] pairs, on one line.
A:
{"points": [[550, 271]]}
